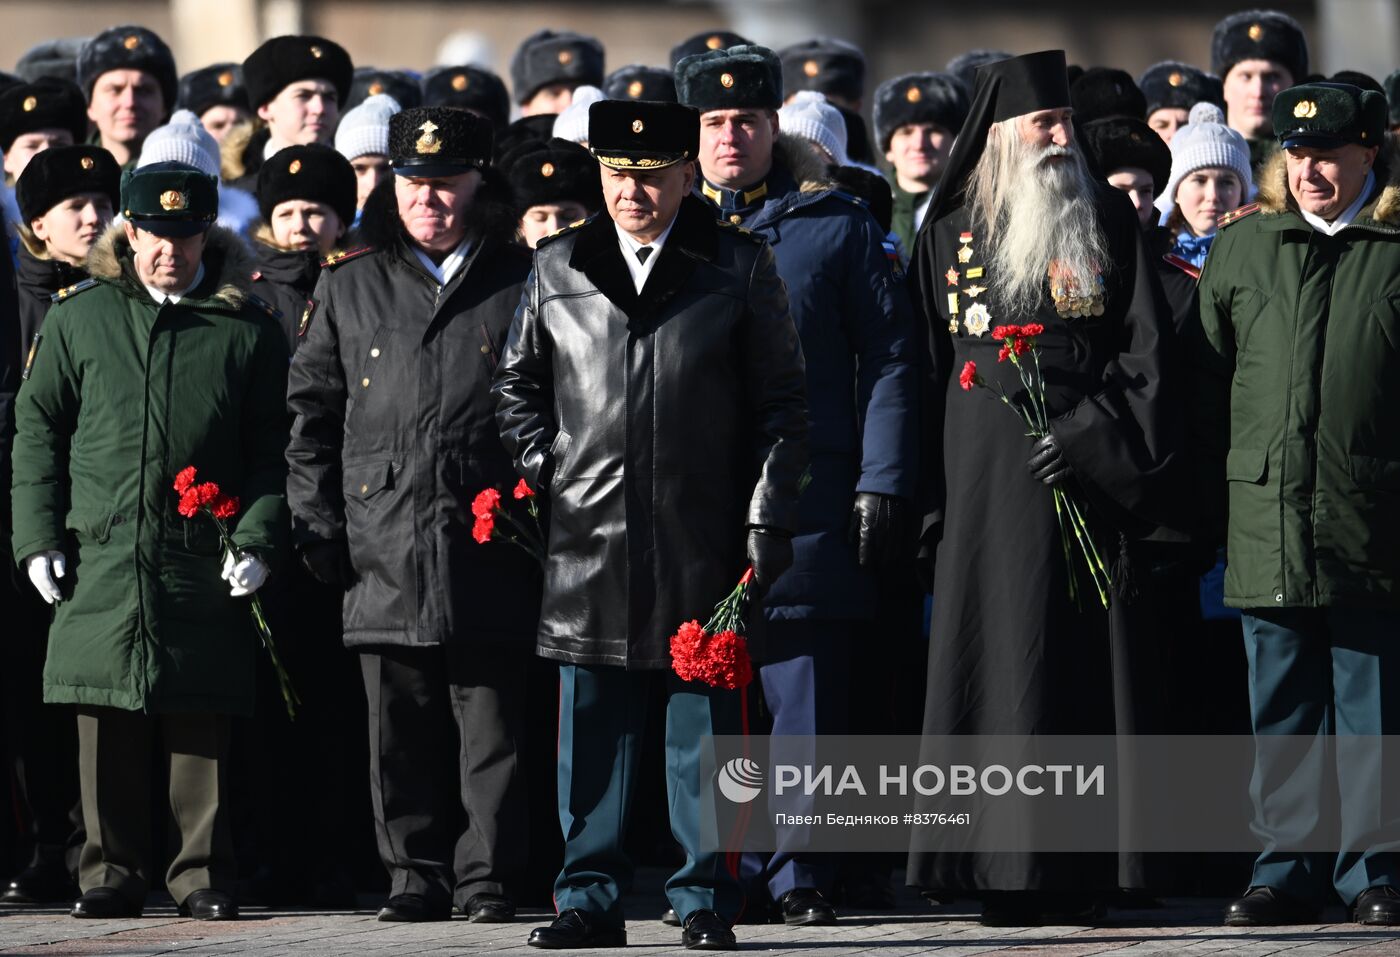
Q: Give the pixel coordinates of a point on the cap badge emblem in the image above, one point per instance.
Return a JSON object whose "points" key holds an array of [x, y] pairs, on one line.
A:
{"points": [[638, 126], [566, 57], [86, 162], [547, 170], [913, 94], [429, 141], [376, 88], [634, 89], [1305, 110], [1176, 79], [714, 42], [811, 68], [29, 103], [294, 167], [171, 200], [1255, 31], [317, 52], [726, 80], [226, 78], [459, 82], [132, 41]]}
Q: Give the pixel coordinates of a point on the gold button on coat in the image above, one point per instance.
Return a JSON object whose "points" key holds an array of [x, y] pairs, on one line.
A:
{"points": [[365, 382]]}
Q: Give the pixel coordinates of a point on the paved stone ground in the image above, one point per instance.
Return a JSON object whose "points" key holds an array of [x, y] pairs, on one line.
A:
{"points": [[1191, 928]]}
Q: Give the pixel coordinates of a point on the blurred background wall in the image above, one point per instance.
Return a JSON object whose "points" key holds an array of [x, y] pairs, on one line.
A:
{"points": [[897, 36]]}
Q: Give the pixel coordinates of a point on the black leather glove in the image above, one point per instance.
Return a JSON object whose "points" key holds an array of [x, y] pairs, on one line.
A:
{"points": [[1048, 463], [770, 554], [880, 529], [329, 562]]}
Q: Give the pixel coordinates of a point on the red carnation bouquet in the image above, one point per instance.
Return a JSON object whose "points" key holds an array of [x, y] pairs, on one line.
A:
{"points": [[1017, 342], [487, 509], [207, 497], [716, 653]]}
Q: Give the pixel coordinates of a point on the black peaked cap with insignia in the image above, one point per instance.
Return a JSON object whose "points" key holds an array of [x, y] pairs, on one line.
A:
{"points": [[825, 65], [431, 141], [129, 48], [1005, 89], [1392, 95], [284, 60], [737, 78], [637, 82], [1259, 35], [546, 57], [1101, 92], [558, 171], [45, 104], [220, 84], [57, 58], [468, 88], [1328, 115], [169, 199], [312, 172], [1115, 142], [367, 82], [709, 40], [53, 175], [1173, 85], [937, 98], [642, 136]]}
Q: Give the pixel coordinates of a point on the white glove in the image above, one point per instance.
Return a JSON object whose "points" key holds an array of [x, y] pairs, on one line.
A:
{"points": [[44, 570], [246, 573]]}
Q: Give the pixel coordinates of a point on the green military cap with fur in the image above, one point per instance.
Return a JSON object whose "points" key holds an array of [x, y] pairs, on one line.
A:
{"points": [[169, 199], [1329, 115]]}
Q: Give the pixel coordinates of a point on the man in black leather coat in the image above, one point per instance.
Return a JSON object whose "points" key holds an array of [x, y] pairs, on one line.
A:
{"points": [[653, 386]]}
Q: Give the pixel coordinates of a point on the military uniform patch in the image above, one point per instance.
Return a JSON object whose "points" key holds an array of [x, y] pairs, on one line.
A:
{"points": [[1184, 265], [306, 315], [72, 290], [264, 305], [344, 256], [1235, 215], [29, 359]]}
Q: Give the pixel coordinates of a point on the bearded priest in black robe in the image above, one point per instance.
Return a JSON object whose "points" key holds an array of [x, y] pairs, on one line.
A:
{"points": [[1021, 232]]}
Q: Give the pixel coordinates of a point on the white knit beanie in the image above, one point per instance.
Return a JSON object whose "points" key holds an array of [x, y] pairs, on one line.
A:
{"points": [[572, 124], [1206, 141], [810, 117], [183, 140], [365, 129]]}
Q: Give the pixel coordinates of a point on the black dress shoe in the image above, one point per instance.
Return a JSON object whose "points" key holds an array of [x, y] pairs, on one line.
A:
{"points": [[706, 930], [209, 904], [1267, 907], [413, 909], [574, 928], [669, 918], [1378, 906], [489, 909], [806, 905], [41, 884], [104, 903]]}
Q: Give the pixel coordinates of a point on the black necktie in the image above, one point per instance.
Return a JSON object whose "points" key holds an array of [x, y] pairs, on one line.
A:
{"points": [[643, 253]]}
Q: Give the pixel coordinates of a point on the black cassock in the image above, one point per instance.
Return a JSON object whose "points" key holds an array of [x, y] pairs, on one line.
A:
{"points": [[1009, 652]]}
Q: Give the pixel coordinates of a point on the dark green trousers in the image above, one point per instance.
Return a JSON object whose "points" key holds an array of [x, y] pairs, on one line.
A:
{"points": [[602, 716], [115, 750]]}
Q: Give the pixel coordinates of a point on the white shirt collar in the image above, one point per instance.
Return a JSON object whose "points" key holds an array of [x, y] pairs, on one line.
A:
{"points": [[173, 297], [641, 270], [449, 267], [1348, 214]]}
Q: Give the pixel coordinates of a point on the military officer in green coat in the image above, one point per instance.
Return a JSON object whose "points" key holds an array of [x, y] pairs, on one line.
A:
{"points": [[157, 362], [1297, 376]]}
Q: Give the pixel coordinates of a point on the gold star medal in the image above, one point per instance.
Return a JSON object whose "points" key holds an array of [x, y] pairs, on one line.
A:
{"points": [[428, 142], [964, 254]]}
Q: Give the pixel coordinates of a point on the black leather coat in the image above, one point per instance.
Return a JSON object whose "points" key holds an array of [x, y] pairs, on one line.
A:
{"points": [[395, 434], [661, 424]]}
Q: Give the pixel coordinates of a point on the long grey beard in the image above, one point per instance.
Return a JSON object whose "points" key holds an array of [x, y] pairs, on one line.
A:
{"points": [[1033, 213]]}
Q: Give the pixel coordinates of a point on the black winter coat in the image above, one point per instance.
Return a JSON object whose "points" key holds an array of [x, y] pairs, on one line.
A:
{"points": [[395, 434], [661, 424], [285, 280]]}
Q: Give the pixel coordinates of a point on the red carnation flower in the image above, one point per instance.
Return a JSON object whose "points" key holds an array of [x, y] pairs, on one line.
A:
{"points": [[1032, 329], [1003, 353], [486, 502], [225, 507], [482, 528], [1020, 346], [1006, 332], [685, 649], [523, 491], [184, 479], [968, 378]]}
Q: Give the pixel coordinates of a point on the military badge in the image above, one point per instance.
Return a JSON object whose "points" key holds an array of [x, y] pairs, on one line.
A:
{"points": [[173, 199], [428, 142]]}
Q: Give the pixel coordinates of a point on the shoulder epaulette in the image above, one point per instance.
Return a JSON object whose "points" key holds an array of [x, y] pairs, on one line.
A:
{"points": [[73, 290], [264, 305], [344, 256], [851, 198], [733, 227], [563, 230], [1235, 215], [1185, 265]]}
